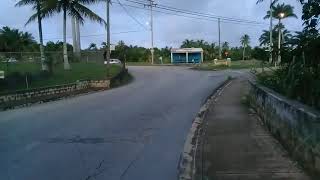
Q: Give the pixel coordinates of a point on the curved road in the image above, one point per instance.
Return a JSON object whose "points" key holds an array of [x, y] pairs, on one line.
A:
{"points": [[133, 132]]}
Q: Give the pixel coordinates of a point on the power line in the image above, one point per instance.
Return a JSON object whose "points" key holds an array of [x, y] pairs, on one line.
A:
{"points": [[203, 18], [151, 5], [192, 17], [184, 11], [136, 20], [96, 35]]}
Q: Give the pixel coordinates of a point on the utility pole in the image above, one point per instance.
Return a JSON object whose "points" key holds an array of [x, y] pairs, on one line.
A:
{"points": [[108, 36], [219, 30], [151, 5], [271, 29]]}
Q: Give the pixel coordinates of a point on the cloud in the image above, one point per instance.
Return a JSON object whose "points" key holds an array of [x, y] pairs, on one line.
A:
{"points": [[169, 29]]}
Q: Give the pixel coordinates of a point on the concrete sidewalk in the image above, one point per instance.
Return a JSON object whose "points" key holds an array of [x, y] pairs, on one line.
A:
{"points": [[237, 147]]}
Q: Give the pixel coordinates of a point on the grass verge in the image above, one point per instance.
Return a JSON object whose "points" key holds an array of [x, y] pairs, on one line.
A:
{"points": [[247, 64], [79, 71]]}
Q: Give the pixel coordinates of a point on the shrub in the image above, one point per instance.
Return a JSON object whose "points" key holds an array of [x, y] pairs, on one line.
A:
{"points": [[14, 79], [295, 81]]}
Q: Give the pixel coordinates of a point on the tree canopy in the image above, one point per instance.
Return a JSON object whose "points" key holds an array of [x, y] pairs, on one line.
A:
{"points": [[286, 9], [14, 40]]}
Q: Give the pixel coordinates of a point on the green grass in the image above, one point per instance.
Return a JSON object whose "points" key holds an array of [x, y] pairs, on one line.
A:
{"points": [[247, 64], [19, 67], [79, 71]]}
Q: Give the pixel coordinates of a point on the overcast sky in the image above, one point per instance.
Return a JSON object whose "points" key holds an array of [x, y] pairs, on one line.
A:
{"points": [[169, 30]]}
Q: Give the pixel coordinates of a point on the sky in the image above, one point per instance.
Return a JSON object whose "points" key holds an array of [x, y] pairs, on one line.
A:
{"points": [[169, 29]]}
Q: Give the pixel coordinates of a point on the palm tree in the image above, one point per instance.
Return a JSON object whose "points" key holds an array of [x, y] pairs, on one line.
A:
{"points": [[264, 38], [272, 2], [225, 46], [13, 40], [281, 11], [76, 9], [104, 45], [187, 43], [36, 5], [299, 40], [245, 41], [93, 46]]}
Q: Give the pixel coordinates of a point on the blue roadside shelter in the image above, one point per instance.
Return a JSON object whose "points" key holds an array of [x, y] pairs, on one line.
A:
{"points": [[187, 55]]}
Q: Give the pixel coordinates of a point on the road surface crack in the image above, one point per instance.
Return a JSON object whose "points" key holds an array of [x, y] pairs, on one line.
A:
{"points": [[98, 170], [131, 164]]}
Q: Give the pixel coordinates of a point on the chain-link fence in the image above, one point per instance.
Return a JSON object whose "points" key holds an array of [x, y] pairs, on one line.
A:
{"points": [[23, 69], [34, 57]]}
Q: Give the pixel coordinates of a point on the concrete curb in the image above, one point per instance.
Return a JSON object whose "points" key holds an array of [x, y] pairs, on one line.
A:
{"points": [[187, 163]]}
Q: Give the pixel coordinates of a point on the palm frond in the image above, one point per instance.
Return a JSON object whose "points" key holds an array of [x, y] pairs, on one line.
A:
{"points": [[260, 1], [74, 13], [86, 12], [25, 3], [50, 7], [31, 19]]}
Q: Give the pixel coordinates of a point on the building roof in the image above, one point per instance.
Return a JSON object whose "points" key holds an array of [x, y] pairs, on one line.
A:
{"points": [[184, 50]]}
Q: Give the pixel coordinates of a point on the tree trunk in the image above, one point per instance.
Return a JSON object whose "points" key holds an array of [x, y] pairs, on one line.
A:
{"points": [[44, 66], [66, 64], [78, 39], [74, 34], [108, 39], [279, 42], [244, 52], [270, 35]]}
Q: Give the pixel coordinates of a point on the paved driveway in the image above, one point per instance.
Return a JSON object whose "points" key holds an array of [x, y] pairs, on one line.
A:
{"points": [[133, 132]]}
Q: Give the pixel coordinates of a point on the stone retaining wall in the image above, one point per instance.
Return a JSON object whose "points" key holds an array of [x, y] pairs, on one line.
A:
{"points": [[8, 100], [295, 125]]}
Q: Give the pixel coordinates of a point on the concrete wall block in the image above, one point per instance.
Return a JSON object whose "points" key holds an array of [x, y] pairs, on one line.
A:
{"points": [[105, 84], [317, 163], [23, 96], [294, 124]]}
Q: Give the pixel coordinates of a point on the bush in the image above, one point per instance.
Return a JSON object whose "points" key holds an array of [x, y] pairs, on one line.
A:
{"points": [[260, 54], [14, 79], [295, 81]]}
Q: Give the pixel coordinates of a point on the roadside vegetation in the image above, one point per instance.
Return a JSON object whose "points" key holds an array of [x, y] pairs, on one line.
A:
{"points": [[30, 64], [298, 74], [27, 75], [240, 64]]}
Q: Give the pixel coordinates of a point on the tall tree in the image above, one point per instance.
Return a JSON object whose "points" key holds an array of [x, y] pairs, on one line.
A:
{"points": [[264, 38], [74, 8], [93, 46], [104, 45], [225, 46], [36, 5], [311, 13], [272, 2], [281, 11], [245, 41], [13, 40]]}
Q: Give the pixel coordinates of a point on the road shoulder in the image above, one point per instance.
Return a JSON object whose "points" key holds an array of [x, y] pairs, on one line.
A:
{"points": [[187, 163]]}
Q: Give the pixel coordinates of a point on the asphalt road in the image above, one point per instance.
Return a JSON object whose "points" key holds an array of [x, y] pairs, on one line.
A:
{"points": [[134, 132]]}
